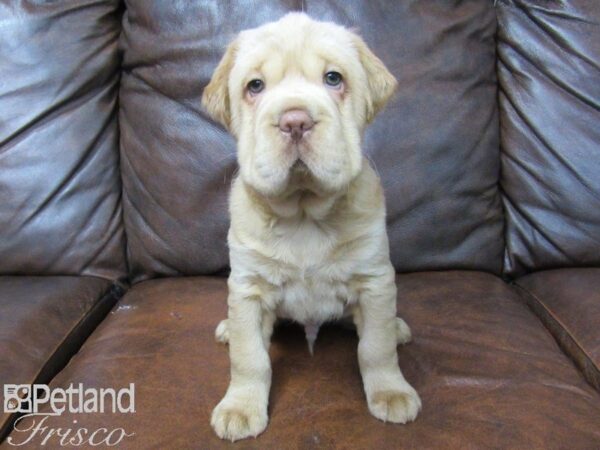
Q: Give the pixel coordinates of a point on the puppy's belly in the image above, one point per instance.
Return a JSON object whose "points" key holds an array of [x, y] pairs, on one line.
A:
{"points": [[314, 301]]}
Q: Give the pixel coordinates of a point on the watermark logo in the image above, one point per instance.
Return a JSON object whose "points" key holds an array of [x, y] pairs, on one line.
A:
{"points": [[17, 398], [38, 403]]}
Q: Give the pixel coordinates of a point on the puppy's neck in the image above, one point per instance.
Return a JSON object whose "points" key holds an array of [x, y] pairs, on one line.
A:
{"points": [[298, 203], [304, 204]]}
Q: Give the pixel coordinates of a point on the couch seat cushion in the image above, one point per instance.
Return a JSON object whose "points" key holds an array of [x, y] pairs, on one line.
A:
{"points": [[568, 302], [43, 321], [489, 373]]}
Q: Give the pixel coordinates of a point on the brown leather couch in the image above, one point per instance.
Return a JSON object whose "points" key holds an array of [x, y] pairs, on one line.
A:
{"points": [[113, 189]]}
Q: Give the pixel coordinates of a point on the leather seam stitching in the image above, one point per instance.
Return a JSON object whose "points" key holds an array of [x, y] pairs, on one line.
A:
{"points": [[561, 324]]}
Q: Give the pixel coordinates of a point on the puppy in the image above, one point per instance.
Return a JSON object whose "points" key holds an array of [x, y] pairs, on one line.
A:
{"points": [[308, 235]]}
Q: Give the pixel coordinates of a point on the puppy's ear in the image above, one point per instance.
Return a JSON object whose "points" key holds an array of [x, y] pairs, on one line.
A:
{"points": [[382, 83], [215, 97]]}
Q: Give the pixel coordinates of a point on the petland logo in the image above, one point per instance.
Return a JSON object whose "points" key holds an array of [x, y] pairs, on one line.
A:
{"points": [[33, 425]]}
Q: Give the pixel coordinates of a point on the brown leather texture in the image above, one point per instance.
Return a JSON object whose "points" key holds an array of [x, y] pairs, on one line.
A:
{"points": [[488, 372], [436, 145], [568, 302], [60, 211], [42, 323], [549, 98]]}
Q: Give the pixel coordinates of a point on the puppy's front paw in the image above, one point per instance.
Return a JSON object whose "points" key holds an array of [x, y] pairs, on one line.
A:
{"points": [[239, 417], [403, 334], [222, 333], [395, 405]]}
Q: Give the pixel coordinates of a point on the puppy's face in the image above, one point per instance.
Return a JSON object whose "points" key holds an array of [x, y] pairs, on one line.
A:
{"points": [[297, 94]]}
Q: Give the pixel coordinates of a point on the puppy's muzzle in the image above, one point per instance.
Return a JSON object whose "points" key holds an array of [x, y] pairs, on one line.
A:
{"points": [[295, 124]]}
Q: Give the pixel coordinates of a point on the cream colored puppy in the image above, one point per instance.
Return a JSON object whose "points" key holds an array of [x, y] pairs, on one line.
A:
{"points": [[308, 236]]}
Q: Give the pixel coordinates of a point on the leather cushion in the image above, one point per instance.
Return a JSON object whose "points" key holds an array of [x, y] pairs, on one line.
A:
{"points": [[436, 145], [488, 372], [568, 302], [549, 97], [43, 320], [60, 212]]}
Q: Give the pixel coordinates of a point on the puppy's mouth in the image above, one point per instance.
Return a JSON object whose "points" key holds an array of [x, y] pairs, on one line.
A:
{"points": [[301, 175], [302, 179], [300, 168], [298, 152]]}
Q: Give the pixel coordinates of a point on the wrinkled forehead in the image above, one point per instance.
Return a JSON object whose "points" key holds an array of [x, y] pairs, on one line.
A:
{"points": [[301, 46]]}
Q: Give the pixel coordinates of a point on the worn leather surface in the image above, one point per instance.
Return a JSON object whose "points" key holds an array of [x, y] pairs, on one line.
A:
{"points": [[60, 209], [549, 74], [41, 321], [436, 145], [489, 374], [568, 302]]}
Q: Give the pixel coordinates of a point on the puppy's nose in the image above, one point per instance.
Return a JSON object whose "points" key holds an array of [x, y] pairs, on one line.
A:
{"points": [[295, 123]]}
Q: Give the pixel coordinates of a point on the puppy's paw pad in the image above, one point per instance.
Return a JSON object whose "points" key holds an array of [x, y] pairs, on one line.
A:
{"points": [[403, 333], [222, 333], [395, 406], [235, 422]]}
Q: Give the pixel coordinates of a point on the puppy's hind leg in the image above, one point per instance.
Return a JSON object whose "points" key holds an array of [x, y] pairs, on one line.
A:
{"points": [[268, 322], [403, 333], [222, 333]]}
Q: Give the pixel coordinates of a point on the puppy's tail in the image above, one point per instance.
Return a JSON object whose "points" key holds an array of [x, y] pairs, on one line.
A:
{"points": [[311, 330]]}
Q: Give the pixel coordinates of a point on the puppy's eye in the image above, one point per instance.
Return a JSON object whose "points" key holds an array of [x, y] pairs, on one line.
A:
{"points": [[255, 86], [333, 78]]}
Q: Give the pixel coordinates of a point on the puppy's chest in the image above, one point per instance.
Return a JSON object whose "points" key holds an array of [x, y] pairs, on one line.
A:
{"points": [[315, 277], [315, 299]]}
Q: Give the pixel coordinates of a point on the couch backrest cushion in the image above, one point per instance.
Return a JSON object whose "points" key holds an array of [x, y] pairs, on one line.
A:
{"points": [[60, 188], [549, 74], [436, 145]]}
